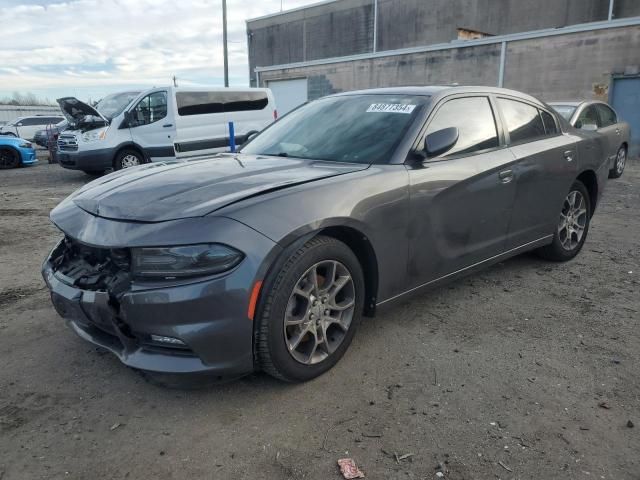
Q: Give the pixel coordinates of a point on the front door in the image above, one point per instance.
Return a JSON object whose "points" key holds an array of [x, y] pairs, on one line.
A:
{"points": [[461, 200], [152, 126]]}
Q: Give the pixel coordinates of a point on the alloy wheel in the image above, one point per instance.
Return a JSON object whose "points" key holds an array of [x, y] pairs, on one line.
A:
{"points": [[573, 220], [621, 159], [319, 312]]}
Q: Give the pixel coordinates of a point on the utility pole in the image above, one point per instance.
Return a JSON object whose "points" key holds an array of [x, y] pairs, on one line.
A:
{"points": [[224, 41]]}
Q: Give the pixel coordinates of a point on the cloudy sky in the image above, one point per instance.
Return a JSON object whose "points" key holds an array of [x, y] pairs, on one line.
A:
{"points": [[87, 48]]}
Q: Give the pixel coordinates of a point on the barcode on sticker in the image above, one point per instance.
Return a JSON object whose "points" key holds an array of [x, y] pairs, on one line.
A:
{"points": [[390, 108]]}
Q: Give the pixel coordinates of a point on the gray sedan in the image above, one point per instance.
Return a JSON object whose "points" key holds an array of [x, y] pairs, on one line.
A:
{"points": [[267, 259], [600, 117]]}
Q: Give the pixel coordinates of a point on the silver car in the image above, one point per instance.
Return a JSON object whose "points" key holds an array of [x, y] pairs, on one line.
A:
{"points": [[600, 117]]}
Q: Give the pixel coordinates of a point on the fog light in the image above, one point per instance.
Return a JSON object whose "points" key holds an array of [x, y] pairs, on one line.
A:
{"points": [[167, 340]]}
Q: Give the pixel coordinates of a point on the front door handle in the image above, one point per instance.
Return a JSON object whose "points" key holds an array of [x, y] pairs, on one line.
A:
{"points": [[506, 176], [568, 155], [167, 125]]}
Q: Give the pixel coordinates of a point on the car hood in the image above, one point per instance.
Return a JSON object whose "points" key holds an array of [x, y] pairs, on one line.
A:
{"points": [[75, 110], [168, 191]]}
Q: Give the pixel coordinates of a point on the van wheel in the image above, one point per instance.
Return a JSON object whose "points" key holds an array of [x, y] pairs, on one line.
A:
{"points": [[128, 158]]}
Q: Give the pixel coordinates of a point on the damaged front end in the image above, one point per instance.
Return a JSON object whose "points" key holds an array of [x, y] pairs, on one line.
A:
{"points": [[87, 286]]}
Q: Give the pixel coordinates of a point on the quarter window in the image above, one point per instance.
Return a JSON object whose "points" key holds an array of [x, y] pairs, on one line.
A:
{"points": [[150, 109], [200, 103], [475, 122], [607, 116], [523, 121]]}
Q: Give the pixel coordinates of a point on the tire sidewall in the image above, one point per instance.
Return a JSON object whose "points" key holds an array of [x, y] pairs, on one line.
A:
{"points": [[16, 158], [557, 244], [615, 172], [289, 368]]}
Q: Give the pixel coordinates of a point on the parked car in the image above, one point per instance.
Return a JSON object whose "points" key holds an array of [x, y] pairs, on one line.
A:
{"points": [[45, 136], [26, 127], [267, 258], [132, 128], [15, 152], [600, 117]]}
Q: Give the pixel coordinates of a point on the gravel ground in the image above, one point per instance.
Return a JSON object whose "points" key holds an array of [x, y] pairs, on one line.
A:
{"points": [[528, 370]]}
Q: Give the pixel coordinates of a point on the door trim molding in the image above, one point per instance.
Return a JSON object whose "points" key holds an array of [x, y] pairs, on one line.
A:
{"points": [[496, 258]]}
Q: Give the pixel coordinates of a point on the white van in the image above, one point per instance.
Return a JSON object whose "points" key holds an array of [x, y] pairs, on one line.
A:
{"points": [[131, 128]]}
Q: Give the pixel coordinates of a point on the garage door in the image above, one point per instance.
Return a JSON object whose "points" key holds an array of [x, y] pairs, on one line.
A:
{"points": [[288, 93], [626, 101]]}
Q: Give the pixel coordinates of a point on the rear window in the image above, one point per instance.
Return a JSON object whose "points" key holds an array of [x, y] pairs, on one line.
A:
{"points": [[565, 111], [201, 103]]}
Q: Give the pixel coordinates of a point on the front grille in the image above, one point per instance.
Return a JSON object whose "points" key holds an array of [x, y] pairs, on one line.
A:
{"points": [[67, 143]]}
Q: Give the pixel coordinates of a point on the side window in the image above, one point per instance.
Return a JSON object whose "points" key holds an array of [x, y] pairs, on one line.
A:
{"points": [[589, 116], [523, 121], [475, 122], [201, 103], [150, 109], [607, 115], [549, 123], [30, 121]]}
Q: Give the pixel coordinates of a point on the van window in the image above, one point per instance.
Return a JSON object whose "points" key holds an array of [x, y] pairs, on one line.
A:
{"points": [[522, 120], [200, 103], [150, 109]]}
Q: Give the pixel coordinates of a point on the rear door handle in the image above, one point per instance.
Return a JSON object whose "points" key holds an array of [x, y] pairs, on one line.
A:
{"points": [[617, 131], [568, 155], [506, 176], [167, 125]]}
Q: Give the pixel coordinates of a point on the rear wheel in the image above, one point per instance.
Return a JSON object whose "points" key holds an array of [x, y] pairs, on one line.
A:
{"points": [[128, 158], [573, 225], [9, 158], [311, 310], [621, 161]]}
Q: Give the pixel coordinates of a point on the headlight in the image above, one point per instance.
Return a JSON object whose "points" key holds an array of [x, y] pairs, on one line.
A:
{"points": [[94, 135], [25, 145], [184, 261]]}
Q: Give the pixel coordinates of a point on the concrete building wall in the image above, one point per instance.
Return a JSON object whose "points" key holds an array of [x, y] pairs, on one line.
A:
{"points": [[562, 67], [346, 27]]}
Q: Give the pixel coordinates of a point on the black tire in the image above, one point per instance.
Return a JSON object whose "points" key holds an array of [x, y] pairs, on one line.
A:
{"points": [[272, 352], [620, 163], [120, 161], [558, 252], [9, 158]]}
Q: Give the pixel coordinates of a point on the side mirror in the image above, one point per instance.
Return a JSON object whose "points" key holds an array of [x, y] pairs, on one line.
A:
{"points": [[127, 122], [250, 136], [19, 124], [441, 141], [590, 127]]}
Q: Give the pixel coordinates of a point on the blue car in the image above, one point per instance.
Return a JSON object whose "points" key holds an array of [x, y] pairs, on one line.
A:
{"points": [[16, 152]]}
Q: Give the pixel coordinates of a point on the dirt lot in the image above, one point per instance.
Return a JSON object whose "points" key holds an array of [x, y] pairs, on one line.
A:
{"points": [[526, 371]]}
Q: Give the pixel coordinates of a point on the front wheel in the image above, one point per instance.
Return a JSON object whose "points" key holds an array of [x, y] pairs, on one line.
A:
{"points": [[618, 167], [9, 158], [312, 307], [573, 225], [127, 158]]}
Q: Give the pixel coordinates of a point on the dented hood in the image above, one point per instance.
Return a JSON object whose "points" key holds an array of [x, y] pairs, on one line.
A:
{"points": [[170, 191]]}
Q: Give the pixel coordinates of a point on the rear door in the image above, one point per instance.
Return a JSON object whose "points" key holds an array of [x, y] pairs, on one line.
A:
{"points": [[461, 200], [544, 169], [611, 130], [152, 126]]}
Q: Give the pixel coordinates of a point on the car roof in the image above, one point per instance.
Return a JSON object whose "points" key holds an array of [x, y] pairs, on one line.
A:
{"points": [[443, 90]]}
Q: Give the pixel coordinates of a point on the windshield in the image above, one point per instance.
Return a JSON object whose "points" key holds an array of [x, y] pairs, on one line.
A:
{"points": [[112, 105], [353, 128], [566, 111]]}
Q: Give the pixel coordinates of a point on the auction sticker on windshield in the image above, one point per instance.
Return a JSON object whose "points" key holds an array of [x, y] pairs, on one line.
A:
{"points": [[390, 108]]}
